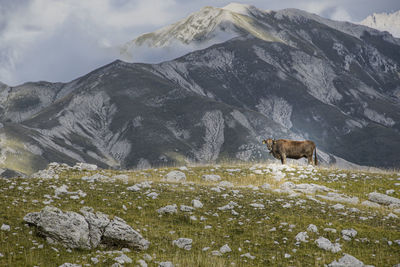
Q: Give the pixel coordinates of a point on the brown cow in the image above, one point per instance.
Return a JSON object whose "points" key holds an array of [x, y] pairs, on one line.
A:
{"points": [[283, 148]]}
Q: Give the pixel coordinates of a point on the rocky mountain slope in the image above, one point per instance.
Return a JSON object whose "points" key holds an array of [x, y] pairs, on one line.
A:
{"points": [[333, 82], [384, 22]]}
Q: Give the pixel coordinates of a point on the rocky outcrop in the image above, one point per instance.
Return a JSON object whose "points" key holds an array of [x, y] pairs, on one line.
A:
{"points": [[384, 199], [84, 230]]}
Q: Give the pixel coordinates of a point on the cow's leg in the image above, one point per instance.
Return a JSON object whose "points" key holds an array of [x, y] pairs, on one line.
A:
{"points": [[283, 158], [309, 159]]}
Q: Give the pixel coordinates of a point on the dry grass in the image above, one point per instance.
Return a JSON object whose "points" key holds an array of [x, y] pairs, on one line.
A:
{"points": [[247, 232]]}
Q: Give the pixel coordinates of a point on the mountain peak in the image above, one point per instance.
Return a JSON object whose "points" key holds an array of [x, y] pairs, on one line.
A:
{"points": [[384, 22], [239, 8]]}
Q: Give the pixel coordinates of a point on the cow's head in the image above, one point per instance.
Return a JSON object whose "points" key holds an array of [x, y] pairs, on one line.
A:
{"points": [[269, 142]]}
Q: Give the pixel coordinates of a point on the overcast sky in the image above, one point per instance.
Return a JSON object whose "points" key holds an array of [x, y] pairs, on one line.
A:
{"points": [[59, 40]]}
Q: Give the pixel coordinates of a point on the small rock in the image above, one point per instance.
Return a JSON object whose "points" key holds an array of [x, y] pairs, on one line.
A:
{"points": [[348, 234], [370, 204], [5, 227], [142, 263], [248, 255], [211, 178], [197, 204], [225, 184], [185, 208], [346, 261], [266, 186], [123, 259], [225, 249], [325, 244], [257, 205], [170, 209], [80, 166], [175, 176], [216, 253], [67, 264], [312, 228], [338, 207], [302, 237], [185, 243], [165, 264], [94, 260]]}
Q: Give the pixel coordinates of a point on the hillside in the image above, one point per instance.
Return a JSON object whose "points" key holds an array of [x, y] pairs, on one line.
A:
{"points": [[265, 214]]}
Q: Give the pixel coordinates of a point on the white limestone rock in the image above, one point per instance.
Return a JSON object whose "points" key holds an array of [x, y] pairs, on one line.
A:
{"points": [[123, 259], [86, 230], [302, 237], [347, 261], [175, 176], [312, 228], [348, 234], [81, 166], [185, 208], [211, 177], [184, 243], [225, 184], [197, 204], [166, 264], [169, 209], [384, 199], [225, 249], [325, 244]]}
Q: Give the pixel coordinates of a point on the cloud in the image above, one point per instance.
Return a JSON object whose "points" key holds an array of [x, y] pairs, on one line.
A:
{"points": [[341, 14], [60, 40]]}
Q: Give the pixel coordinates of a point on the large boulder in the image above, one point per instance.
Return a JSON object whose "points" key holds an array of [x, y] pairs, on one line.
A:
{"points": [[84, 230], [68, 228]]}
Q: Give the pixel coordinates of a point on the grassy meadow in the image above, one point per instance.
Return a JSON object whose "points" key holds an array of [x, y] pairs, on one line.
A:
{"points": [[258, 235]]}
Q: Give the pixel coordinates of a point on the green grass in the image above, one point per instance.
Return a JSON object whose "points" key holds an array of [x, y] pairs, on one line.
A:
{"points": [[247, 232]]}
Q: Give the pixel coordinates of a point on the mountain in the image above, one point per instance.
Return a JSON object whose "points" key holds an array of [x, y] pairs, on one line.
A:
{"points": [[333, 82], [212, 25], [384, 22]]}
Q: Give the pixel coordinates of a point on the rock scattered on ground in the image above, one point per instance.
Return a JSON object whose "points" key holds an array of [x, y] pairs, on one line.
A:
{"points": [[326, 244], [165, 264], [197, 204], [347, 261], [225, 249], [169, 209], [184, 243], [211, 177], [384, 199], [175, 176]]}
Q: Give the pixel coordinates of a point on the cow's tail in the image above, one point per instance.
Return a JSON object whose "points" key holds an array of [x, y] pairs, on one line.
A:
{"points": [[315, 155]]}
